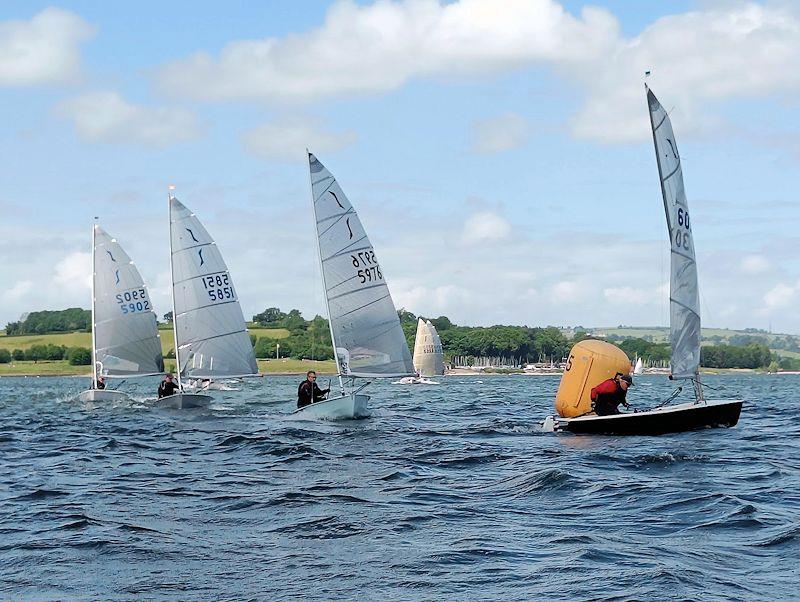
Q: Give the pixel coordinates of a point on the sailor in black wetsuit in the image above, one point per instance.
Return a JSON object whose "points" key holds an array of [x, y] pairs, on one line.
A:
{"points": [[167, 387], [101, 383], [308, 392]]}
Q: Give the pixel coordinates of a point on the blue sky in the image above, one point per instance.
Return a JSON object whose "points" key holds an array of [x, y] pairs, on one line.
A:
{"points": [[497, 150]]}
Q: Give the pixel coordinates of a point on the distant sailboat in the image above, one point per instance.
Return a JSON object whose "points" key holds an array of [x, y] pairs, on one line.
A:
{"points": [[367, 338], [639, 367], [428, 354], [211, 339], [684, 315], [125, 340]]}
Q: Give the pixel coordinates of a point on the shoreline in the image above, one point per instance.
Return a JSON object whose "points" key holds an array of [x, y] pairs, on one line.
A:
{"points": [[713, 372]]}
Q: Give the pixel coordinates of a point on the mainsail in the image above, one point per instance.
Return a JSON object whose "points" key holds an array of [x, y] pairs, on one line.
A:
{"points": [[684, 296], [428, 355], [125, 335], [366, 331], [210, 331]]}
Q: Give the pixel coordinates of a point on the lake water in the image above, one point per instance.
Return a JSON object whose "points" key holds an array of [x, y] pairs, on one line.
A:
{"points": [[448, 492]]}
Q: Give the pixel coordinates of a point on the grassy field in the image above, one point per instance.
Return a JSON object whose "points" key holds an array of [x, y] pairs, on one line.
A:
{"points": [[84, 339], [43, 368], [62, 367]]}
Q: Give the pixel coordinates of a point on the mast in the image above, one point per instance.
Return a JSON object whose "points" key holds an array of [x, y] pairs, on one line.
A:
{"points": [[322, 272], [94, 330], [172, 283]]}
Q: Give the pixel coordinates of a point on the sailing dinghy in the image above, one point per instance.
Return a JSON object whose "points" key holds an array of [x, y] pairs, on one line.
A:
{"points": [[211, 339], [428, 356], [639, 367], [684, 316], [367, 338], [125, 340]]}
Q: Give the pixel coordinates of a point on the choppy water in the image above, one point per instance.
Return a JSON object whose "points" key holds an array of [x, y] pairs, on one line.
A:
{"points": [[447, 492]]}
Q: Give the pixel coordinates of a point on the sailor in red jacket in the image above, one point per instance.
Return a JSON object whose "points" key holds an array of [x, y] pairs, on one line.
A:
{"points": [[610, 393]]}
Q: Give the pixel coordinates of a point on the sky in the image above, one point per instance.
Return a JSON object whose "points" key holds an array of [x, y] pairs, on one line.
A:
{"points": [[498, 151]]}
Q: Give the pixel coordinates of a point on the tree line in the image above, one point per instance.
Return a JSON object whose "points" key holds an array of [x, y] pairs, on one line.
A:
{"points": [[310, 339], [41, 322], [76, 356]]}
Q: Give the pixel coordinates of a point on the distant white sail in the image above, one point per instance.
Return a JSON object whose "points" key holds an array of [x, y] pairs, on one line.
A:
{"points": [[125, 332], [428, 355], [366, 331], [639, 368], [212, 339], [684, 296]]}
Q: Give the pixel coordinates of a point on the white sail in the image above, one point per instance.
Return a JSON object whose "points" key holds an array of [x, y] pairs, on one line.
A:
{"points": [[684, 296], [211, 334], [125, 334], [639, 367], [366, 331], [428, 355]]}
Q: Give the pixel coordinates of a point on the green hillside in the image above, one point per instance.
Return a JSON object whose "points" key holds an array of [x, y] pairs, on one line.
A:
{"points": [[84, 339]]}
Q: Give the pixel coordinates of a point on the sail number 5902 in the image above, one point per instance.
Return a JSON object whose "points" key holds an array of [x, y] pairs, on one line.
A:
{"points": [[131, 302]]}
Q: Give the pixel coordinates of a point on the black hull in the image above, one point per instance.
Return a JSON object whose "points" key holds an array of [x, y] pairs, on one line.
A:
{"points": [[690, 417]]}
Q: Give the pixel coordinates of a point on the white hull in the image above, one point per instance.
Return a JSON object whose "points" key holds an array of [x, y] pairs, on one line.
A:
{"points": [[184, 401], [346, 407], [101, 395], [415, 380]]}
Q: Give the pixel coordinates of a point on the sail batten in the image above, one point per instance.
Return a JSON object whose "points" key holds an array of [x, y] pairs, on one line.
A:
{"points": [[124, 328], [684, 292], [210, 330], [367, 337]]}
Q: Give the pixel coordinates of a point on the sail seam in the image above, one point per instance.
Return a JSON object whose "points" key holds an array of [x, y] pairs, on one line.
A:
{"points": [[183, 313], [345, 281], [350, 212], [204, 244], [225, 271], [663, 119], [672, 173], [327, 188], [348, 249], [363, 306], [216, 336], [684, 306], [358, 290], [685, 256]]}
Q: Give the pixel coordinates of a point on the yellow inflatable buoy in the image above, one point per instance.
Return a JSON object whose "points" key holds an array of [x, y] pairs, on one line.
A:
{"points": [[589, 363]]}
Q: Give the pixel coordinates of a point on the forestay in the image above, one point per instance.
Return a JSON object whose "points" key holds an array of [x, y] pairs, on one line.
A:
{"points": [[366, 331], [125, 331], [684, 296], [428, 355], [212, 338]]}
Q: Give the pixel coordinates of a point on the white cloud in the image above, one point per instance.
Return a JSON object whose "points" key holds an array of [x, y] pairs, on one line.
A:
{"points": [[287, 139], [105, 116], [755, 264], [381, 46], [485, 227], [730, 50], [727, 50], [18, 291], [43, 50], [498, 134], [567, 291], [74, 272], [628, 295], [782, 295]]}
